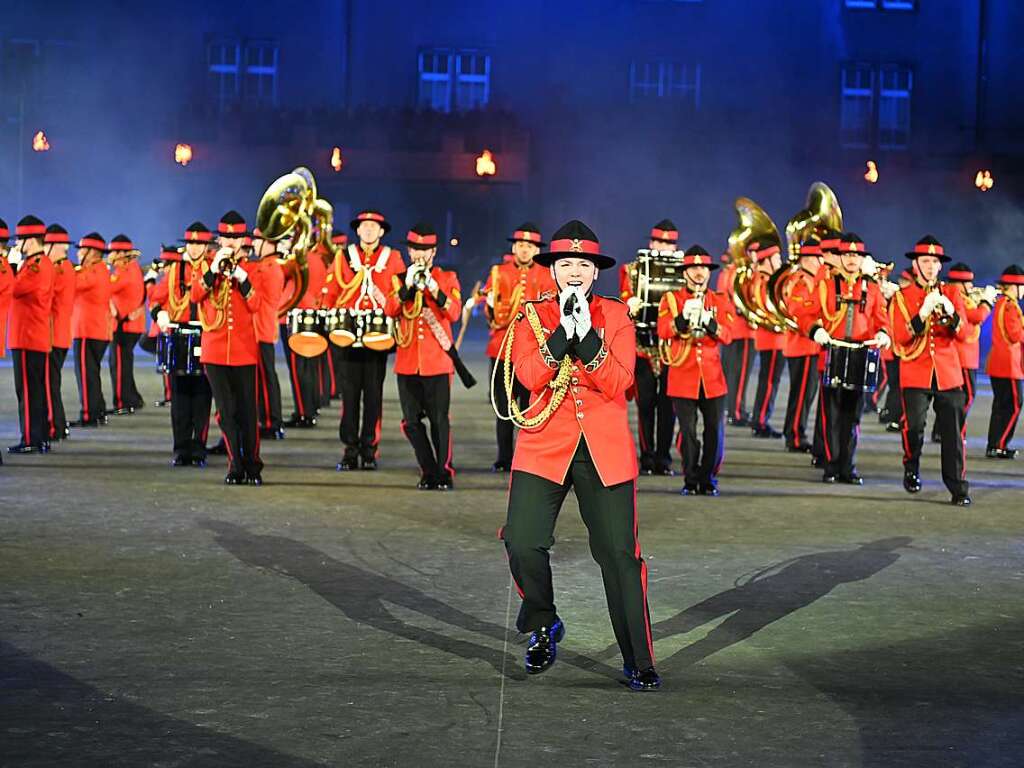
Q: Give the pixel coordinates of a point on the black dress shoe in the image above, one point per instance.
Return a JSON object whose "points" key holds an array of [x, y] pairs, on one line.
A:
{"points": [[501, 466], [128, 411], [235, 478], [426, 483], [765, 432], [367, 463], [742, 421], [254, 478], [829, 477], [817, 461], [445, 483], [961, 500], [199, 462], [84, 424], [664, 471], [911, 482], [645, 680], [1001, 453], [180, 461], [893, 426], [851, 479], [690, 489], [272, 433], [22, 448], [798, 448], [646, 467], [543, 648], [220, 449], [161, 403], [349, 462], [707, 489]]}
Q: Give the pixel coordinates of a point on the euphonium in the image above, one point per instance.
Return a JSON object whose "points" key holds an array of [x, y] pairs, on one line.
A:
{"points": [[287, 209], [699, 332], [754, 226]]}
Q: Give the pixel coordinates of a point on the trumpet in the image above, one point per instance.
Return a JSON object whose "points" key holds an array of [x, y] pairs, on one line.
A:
{"points": [[699, 331], [420, 277], [939, 313], [231, 259]]}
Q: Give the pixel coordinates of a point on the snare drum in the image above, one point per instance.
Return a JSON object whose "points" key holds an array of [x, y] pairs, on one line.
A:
{"points": [[851, 367], [178, 351], [307, 332], [164, 353], [378, 331], [344, 332]]}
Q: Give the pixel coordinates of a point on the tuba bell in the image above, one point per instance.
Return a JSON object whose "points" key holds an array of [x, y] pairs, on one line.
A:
{"points": [[754, 226]]}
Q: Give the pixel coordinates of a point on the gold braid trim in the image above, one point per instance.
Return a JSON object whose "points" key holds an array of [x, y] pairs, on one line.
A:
{"points": [[559, 385], [405, 329], [915, 349], [175, 302], [665, 345], [219, 297]]}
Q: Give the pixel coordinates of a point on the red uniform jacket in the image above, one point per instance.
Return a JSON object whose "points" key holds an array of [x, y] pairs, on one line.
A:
{"points": [[927, 349], [348, 287], [314, 295], [823, 309], [91, 316], [268, 279], [31, 304], [1004, 359], [740, 327], [233, 341], [765, 339], [801, 290], [970, 348], [6, 286], [64, 280], [594, 407], [511, 285], [178, 305], [128, 293], [419, 352], [694, 362]]}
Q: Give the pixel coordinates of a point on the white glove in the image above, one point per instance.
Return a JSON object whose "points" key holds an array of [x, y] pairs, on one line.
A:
{"points": [[378, 295], [410, 275], [691, 310], [490, 300], [705, 318], [633, 304], [15, 257], [881, 340], [947, 305], [931, 299], [869, 267], [432, 285], [163, 320], [218, 259], [821, 337], [240, 274], [889, 289], [150, 276], [581, 314], [567, 321], [989, 295]]}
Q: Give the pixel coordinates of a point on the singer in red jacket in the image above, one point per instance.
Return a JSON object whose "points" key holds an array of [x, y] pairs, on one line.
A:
{"points": [[128, 310], [1005, 368]]}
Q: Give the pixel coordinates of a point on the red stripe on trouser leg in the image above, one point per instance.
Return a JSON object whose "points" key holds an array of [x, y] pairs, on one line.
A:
{"points": [[117, 365], [742, 387], [299, 405], [49, 399], [255, 417], [25, 398], [261, 383], [1003, 439], [824, 424], [643, 578], [376, 434], [227, 443], [769, 388], [904, 427], [800, 403], [167, 386], [85, 381]]}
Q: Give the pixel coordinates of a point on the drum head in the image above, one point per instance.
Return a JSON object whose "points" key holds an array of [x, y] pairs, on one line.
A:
{"points": [[307, 344], [379, 342], [342, 338]]}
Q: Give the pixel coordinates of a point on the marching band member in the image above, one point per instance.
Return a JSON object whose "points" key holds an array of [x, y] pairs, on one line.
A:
{"points": [[738, 354], [768, 342], [927, 318], [57, 244], [508, 285], [655, 418], [694, 321], [6, 285], [888, 288], [1004, 364], [172, 302], [90, 328], [330, 374], [268, 278], [154, 276], [845, 308], [29, 333], [426, 300], [979, 303], [891, 412], [128, 310], [576, 353], [362, 279], [230, 352], [304, 372], [801, 352], [830, 240]]}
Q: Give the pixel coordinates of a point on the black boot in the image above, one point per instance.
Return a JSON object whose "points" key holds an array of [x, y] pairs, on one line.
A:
{"points": [[543, 647]]}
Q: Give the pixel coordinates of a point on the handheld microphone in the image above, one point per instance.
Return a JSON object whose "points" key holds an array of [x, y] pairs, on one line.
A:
{"points": [[570, 304]]}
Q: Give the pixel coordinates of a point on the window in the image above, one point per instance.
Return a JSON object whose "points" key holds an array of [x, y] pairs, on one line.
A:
{"points": [[261, 74], [668, 80], [222, 58], [454, 80], [856, 106], [894, 108], [861, 125]]}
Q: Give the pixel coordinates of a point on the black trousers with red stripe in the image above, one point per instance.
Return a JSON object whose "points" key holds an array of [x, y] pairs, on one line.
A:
{"points": [[88, 360], [268, 388], [58, 417], [304, 376], [803, 386], [892, 410], [949, 415], [122, 370], [656, 421], [840, 412], [768, 379], [701, 467], [970, 387], [1006, 405], [428, 397], [234, 390], [737, 361], [503, 428], [33, 398], [609, 512], [191, 397], [362, 395], [325, 370]]}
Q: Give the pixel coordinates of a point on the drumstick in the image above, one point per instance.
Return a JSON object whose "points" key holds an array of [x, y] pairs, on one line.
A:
{"points": [[466, 312]]}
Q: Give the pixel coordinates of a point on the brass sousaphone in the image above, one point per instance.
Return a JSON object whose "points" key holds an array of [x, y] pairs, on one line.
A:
{"points": [[754, 226]]}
